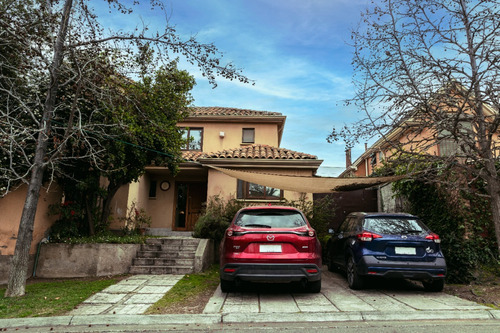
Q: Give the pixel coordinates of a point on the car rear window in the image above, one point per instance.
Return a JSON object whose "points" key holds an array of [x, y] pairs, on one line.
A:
{"points": [[270, 219], [394, 225]]}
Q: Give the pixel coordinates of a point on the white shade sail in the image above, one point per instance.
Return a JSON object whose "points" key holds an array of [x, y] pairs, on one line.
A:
{"points": [[306, 184]]}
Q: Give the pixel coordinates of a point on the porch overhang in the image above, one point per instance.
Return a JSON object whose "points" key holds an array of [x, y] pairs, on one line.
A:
{"points": [[262, 163]]}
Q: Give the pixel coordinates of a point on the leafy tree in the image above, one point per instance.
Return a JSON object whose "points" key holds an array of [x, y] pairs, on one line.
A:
{"points": [[431, 67], [148, 135], [61, 72]]}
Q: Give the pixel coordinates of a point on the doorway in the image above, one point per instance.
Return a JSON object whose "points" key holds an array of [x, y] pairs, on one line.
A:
{"points": [[190, 198]]}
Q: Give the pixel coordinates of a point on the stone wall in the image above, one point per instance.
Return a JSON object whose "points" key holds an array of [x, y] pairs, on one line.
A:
{"points": [[5, 267], [83, 260]]}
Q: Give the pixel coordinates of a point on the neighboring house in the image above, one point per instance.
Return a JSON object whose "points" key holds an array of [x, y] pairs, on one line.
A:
{"points": [[231, 138], [410, 137], [414, 136]]}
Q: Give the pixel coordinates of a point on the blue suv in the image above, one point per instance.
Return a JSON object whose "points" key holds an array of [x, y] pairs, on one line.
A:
{"points": [[389, 245]]}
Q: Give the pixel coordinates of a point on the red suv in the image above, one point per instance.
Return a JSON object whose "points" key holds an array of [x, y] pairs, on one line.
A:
{"points": [[270, 244]]}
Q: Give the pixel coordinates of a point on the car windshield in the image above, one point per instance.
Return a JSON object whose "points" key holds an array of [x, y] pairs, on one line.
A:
{"points": [[395, 225], [270, 219]]}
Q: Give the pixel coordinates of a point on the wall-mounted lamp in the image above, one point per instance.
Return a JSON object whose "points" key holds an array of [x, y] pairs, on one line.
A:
{"points": [[222, 134]]}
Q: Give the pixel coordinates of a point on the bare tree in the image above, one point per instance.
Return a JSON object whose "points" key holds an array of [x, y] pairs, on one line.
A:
{"points": [[430, 70], [55, 57]]}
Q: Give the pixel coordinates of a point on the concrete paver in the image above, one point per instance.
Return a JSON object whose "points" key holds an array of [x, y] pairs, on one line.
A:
{"points": [[133, 295], [241, 303], [314, 303], [336, 297], [281, 303]]}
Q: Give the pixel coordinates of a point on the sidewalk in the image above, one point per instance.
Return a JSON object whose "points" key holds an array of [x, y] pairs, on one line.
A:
{"points": [[133, 295], [124, 303]]}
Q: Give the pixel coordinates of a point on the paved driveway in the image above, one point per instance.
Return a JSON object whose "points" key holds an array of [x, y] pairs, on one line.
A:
{"points": [[385, 296]]}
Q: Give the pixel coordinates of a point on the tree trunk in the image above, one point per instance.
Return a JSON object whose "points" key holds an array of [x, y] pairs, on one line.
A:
{"points": [[90, 215], [19, 266], [106, 204], [493, 188], [495, 216]]}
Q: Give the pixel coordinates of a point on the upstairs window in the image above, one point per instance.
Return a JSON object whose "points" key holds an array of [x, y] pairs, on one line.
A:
{"points": [[448, 145], [193, 138], [248, 135], [248, 190]]}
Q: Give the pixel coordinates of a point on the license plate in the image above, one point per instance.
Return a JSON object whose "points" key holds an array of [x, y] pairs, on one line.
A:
{"points": [[405, 250], [275, 248]]}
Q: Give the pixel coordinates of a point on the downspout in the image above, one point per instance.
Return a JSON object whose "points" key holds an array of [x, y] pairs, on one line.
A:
{"points": [[43, 241], [366, 160]]}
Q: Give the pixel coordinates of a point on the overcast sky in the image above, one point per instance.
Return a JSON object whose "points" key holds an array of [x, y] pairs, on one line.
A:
{"points": [[296, 52]]}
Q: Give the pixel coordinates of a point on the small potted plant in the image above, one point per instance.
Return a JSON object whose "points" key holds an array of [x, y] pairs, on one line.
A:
{"points": [[137, 220]]}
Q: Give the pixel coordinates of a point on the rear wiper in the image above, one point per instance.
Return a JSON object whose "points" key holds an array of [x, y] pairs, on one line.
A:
{"points": [[257, 225], [412, 231]]}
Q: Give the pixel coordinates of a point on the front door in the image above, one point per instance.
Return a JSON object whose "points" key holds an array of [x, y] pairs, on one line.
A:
{"points": [[190, 198]]}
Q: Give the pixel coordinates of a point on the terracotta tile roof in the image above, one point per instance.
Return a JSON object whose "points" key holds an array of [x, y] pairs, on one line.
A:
{"points": [[198, 111], [251, 152], [192, 156]]}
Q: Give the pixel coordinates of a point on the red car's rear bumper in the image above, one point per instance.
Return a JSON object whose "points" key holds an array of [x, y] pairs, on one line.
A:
{"points": [[260, 272]]}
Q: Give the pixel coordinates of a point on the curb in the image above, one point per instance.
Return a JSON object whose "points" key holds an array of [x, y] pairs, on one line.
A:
{"points": [[210, 319]]}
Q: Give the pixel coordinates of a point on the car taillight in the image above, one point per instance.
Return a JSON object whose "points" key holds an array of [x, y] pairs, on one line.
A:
{"points": [[229, 233], [433, 237], [366, 236], [311, 233]]}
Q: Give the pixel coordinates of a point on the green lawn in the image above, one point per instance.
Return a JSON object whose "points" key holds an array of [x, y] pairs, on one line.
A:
{"points": [[190, 294], [45, 299]]}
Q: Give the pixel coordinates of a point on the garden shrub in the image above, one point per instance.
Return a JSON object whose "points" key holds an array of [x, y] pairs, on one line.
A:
{"points": [[70, 221], [216, 218], [211, 227], [460, 217], [319, 214]]}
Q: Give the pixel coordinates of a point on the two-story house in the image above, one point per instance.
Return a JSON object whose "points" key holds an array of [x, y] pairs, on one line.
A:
{"points": [[228, 138]]}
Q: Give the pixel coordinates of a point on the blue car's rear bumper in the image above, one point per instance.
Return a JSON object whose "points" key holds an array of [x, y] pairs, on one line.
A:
{"points": [[415, 270]]}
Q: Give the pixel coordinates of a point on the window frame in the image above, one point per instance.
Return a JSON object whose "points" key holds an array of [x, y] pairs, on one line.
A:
{"points": [[188, 130], [447, 145], [243, 192], [153, 189], [252, 129]]}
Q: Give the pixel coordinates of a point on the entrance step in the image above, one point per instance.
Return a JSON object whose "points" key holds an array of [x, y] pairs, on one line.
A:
{"points": [[169, 255]]}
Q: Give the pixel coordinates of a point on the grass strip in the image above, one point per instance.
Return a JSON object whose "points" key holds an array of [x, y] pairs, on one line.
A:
{"points": [[191, 291], [45, 299]]}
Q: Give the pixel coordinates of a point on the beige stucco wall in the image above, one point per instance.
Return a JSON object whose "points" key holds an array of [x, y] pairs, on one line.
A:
{"points": [[11, 207], [212, 142], [161, 208]]}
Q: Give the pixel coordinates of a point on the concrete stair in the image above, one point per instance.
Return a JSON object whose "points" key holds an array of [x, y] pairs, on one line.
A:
{"points": [[170, 255]]}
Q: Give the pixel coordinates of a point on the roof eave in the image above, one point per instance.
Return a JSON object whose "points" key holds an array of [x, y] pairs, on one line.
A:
{"points": [[262, 163]]}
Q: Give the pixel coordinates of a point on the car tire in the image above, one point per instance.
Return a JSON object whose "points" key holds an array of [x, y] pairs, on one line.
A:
{"points": [[227, 286], [314, 286], [354, 280], [434, 285]]}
